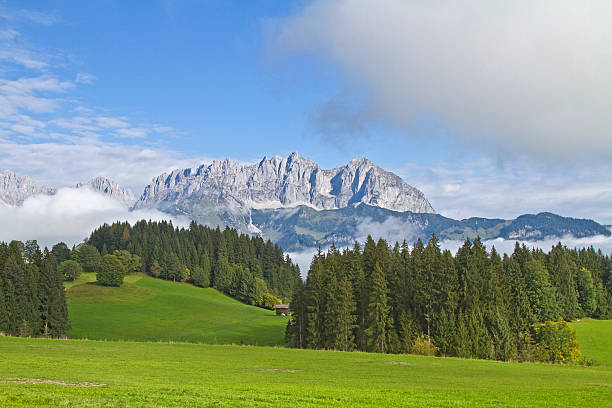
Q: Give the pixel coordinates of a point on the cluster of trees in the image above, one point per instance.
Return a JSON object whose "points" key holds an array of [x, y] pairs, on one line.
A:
{"points": [[475, 304], [241, 266], [110, 269], [32, 301]]}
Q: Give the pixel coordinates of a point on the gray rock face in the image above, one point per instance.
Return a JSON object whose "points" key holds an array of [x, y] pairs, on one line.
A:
{"points": [[14, 189], [282, 182], [109, 188]]}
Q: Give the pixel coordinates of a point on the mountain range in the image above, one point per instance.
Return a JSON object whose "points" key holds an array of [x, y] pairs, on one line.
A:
{"points": [[14, 189], [295, 203]]}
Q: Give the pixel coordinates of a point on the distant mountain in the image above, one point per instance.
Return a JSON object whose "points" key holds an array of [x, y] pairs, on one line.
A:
{"points": [[14, 189], [109, 188], [227, 189], [295, 203], [303, 227]]}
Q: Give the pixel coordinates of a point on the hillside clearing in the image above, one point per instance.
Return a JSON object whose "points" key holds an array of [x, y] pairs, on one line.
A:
{"points": [[149, 309]]}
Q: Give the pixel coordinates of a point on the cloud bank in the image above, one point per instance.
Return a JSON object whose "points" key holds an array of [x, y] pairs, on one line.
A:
{"points": [[529, 77], [69, 216], [484, 188]]}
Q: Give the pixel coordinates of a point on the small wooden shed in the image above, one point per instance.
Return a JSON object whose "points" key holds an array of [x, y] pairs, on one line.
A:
{"points": [[282, 310]]}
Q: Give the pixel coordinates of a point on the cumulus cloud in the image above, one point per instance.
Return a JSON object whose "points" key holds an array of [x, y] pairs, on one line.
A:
{"points": [[69, 216], [524, 76]]}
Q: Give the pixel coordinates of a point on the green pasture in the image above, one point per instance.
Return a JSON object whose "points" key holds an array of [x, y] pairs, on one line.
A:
{"points": [[79, 373], [595, 339], [148, 309]]}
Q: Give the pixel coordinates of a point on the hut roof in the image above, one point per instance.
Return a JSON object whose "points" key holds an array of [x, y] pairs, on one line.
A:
{"points": [[281, 306]]}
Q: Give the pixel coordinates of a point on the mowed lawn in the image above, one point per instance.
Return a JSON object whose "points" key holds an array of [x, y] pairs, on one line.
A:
{"points": [[148, 309], [595, 339], [78, 373]]}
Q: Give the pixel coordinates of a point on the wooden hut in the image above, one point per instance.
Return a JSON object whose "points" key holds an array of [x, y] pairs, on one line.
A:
{"points": [[282, 310]]}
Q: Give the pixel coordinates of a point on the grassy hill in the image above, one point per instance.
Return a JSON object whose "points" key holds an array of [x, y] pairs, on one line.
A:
{"points": [[49, 373], [595, 339], [148, 309]]}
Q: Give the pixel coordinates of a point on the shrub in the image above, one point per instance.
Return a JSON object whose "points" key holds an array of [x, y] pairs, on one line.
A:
{"points": [[111, 271], [424, 347], [556, 342], [268, 301], [70, 270]]}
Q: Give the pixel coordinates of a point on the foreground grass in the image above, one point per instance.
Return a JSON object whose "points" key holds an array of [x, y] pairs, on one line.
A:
{"points": [[193, 375], [595, 339], [148, 309]]}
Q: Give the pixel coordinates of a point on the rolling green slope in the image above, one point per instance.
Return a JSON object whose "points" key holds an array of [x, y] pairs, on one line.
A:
{"points": [[47, 373], [148, 309], [595, 339]]}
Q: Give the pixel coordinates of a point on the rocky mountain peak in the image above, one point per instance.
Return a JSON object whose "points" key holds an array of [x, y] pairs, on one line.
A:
{"points": [[14, 189], [110, 188], [281, 182]]}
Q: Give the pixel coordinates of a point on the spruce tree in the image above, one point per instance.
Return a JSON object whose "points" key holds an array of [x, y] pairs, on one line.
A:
{"points": [[378, 311]]}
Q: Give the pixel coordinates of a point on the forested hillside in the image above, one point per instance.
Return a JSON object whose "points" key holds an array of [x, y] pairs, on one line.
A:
{"points": [[476, 304], [32, 301], [241, 266]]}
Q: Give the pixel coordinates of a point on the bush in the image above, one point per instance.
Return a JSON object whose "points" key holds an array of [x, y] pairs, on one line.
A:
{"points": [[556, 342], [70, 270], [268, 301], [423, 347], [111, 271]]}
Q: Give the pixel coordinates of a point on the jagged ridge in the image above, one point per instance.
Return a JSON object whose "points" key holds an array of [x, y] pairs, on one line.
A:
{"points": [[14, 189], [281, 182]]}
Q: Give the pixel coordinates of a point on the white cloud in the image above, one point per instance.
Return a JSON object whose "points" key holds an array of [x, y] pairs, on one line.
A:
{"points": [[69, 216], [133, 133], [392, 229], [303, 259], [531, 77], [65, 164], [37, 17], [84, 78], [507, 246]]}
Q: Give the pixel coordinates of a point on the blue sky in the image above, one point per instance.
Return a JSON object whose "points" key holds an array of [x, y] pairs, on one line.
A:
{"points": [[472, 102]]}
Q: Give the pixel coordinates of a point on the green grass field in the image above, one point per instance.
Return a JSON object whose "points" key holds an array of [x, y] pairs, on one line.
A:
{"points": [[47, 373], [595, 339], [148, 309]]}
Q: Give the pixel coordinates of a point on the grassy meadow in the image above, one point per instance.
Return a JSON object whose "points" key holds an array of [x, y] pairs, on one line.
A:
{"points": [[93, 373], [595, 339], [50, 373], [149, 309]]}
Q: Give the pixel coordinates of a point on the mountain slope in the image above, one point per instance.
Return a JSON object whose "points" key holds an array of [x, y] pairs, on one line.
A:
{"points": [[303, 227]]}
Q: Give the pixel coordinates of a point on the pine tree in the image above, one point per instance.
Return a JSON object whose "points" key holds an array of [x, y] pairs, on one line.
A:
{"points": [[345, 338]]}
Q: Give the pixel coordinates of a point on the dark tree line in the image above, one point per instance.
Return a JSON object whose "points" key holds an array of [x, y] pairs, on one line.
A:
{"points": [[475, 304], [32, 301], [247, 268]]}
